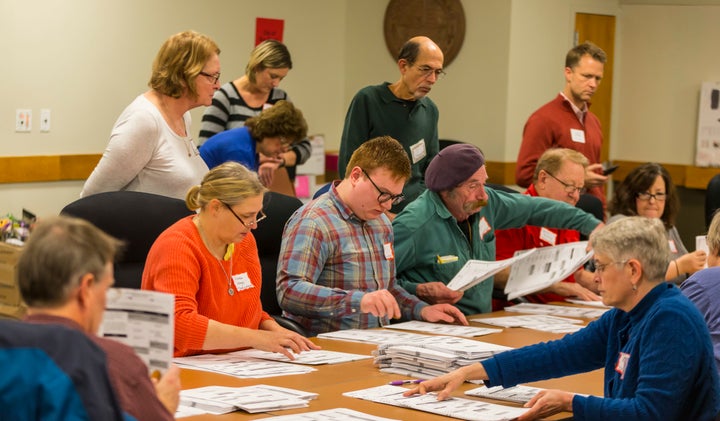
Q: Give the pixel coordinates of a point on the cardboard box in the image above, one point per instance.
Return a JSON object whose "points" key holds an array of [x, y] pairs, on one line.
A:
{"points": [[9, 291]]}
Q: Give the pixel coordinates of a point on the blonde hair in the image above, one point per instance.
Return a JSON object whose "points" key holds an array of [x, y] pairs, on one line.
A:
{"points": [[713, 235], [269, 54], [230, 183], [179, 61], [552, 160]]}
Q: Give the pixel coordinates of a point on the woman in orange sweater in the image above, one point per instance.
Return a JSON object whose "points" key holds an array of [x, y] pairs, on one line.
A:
{"points": [[210, 262]]}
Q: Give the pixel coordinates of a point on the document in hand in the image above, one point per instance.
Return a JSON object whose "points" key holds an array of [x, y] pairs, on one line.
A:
{"points": [[544, 267], [476, 271], [143, 320]]}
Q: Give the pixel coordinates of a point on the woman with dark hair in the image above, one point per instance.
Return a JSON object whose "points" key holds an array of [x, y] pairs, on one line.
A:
{"points": [[649, 191]]}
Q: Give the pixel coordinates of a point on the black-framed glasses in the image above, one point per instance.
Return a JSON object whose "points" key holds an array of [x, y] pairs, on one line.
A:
{"points": [[569, 188], [600, 267], [213, 78], [426, 71], [660, 197], [247, 225], [385, 196]]}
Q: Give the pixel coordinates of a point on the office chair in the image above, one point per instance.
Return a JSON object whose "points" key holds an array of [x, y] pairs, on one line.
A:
{"points": [[53, 372], [712, 199], [135, 217], [591, 205], [268, 236], [323, 189]]}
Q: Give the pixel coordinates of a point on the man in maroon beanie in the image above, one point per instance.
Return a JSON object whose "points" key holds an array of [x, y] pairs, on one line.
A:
{"points": [[455, 221]]}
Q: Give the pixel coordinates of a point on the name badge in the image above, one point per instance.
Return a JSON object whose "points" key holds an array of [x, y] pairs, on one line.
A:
{"points": [[388, 250], [577, 135], [418, 151], [483, 227], [622, 364], [673, 247], [548, 236], [242, 281]]}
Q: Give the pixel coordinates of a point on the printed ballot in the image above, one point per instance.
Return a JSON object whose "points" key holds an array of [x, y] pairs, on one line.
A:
{"points": [[530, 270]]}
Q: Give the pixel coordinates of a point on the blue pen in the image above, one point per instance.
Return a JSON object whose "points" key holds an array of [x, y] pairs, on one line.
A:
{"points": [[402, 382]]}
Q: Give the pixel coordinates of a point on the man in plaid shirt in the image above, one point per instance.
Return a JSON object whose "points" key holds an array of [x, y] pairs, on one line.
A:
{"points": [[337, 263]]}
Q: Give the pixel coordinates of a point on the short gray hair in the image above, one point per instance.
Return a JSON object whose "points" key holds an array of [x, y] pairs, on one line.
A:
{"points": [[636, 237]]}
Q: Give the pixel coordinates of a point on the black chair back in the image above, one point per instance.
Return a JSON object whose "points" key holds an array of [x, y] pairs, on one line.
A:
{"points": [[135, 217]]}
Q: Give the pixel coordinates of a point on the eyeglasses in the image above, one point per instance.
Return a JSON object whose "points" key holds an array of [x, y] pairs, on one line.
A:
{"points": [[660, 197], [426, 71], [247, 225], [385, 196], [213, 78], [569, 188], [600, 267]]}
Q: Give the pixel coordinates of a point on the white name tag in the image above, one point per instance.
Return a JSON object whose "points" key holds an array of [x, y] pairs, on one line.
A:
{"points": [[548, 236], [242, 281], [673, 247], [483, 227], [418, 151], [388, 250], [577, 135]]}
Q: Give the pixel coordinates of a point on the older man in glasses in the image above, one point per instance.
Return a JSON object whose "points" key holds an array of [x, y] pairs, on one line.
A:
{"points": [[559, 175], [401, 110], [455, 221], [337, 264]]}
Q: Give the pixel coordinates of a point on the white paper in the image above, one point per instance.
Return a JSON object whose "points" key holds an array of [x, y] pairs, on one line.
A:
{"points": [[315, 165], [542, 322], [578, 301], [517, 394], [312, 357], [701, 244], [708, 130], [335, 414], [475, 271], [461, 408], [143, 320], [373, 336], [252, 399], [234, 365], [555, 310], [544, 267], [443, 329]]}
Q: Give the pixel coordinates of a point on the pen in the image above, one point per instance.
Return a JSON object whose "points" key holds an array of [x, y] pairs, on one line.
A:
{"points": [[402, 382]]}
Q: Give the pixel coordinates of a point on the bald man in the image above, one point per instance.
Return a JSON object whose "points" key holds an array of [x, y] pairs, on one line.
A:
{"points": [[401, 110]]}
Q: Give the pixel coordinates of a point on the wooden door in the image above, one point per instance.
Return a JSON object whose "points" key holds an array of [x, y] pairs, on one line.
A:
{"points": [[600, 30]]}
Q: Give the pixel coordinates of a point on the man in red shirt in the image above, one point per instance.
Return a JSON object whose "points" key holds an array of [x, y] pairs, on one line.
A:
{"points": [[566, 122], [559, 175]]}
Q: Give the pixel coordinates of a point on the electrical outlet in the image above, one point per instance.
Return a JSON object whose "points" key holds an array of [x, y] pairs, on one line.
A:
{"points": [[45, 120], [23, 120]]}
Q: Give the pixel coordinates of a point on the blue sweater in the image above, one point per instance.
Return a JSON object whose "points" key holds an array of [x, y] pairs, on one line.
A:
{"points": [[230, 145], [663, 343]]}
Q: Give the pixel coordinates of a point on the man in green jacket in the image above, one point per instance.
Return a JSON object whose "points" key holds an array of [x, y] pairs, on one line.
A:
{"points": [[455, 221]]}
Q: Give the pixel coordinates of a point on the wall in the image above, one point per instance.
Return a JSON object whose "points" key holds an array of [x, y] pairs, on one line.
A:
{"points": [[87, 59]]}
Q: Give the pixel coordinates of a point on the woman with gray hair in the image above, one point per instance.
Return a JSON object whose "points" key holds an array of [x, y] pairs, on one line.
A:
{"points": [[653, 345], [210, 262]]}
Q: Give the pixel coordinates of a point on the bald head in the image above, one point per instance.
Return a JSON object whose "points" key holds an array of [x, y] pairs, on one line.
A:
{"points": [[421, 64]]}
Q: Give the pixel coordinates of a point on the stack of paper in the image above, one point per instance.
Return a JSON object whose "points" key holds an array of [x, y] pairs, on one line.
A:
{"points": [[555, 310], [434, 356], [517, 394], [543, 322], [443, 329], [312, 357], [464, 409], [373, 336], [335, 414], [259, 398]]}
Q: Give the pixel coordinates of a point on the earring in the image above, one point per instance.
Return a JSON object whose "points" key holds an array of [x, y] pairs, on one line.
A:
{"points": [[634, 287]]}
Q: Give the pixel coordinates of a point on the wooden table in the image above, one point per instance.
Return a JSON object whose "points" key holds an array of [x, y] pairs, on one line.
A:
{"points": [[331, 381]]}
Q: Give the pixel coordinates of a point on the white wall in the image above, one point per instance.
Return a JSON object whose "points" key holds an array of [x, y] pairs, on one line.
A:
{"points": [[87, 59]]}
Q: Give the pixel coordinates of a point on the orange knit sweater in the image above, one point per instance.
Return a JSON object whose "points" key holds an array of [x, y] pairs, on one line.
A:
{"points": [[180, 264]]}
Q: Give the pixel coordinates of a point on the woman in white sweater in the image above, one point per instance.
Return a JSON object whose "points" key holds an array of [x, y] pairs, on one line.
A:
{"points": [[150, 148]]}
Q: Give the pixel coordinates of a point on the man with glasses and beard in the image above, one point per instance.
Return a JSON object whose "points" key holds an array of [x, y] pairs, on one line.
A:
{"points": [[337, 264], [401, 110], [455, 221]]}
